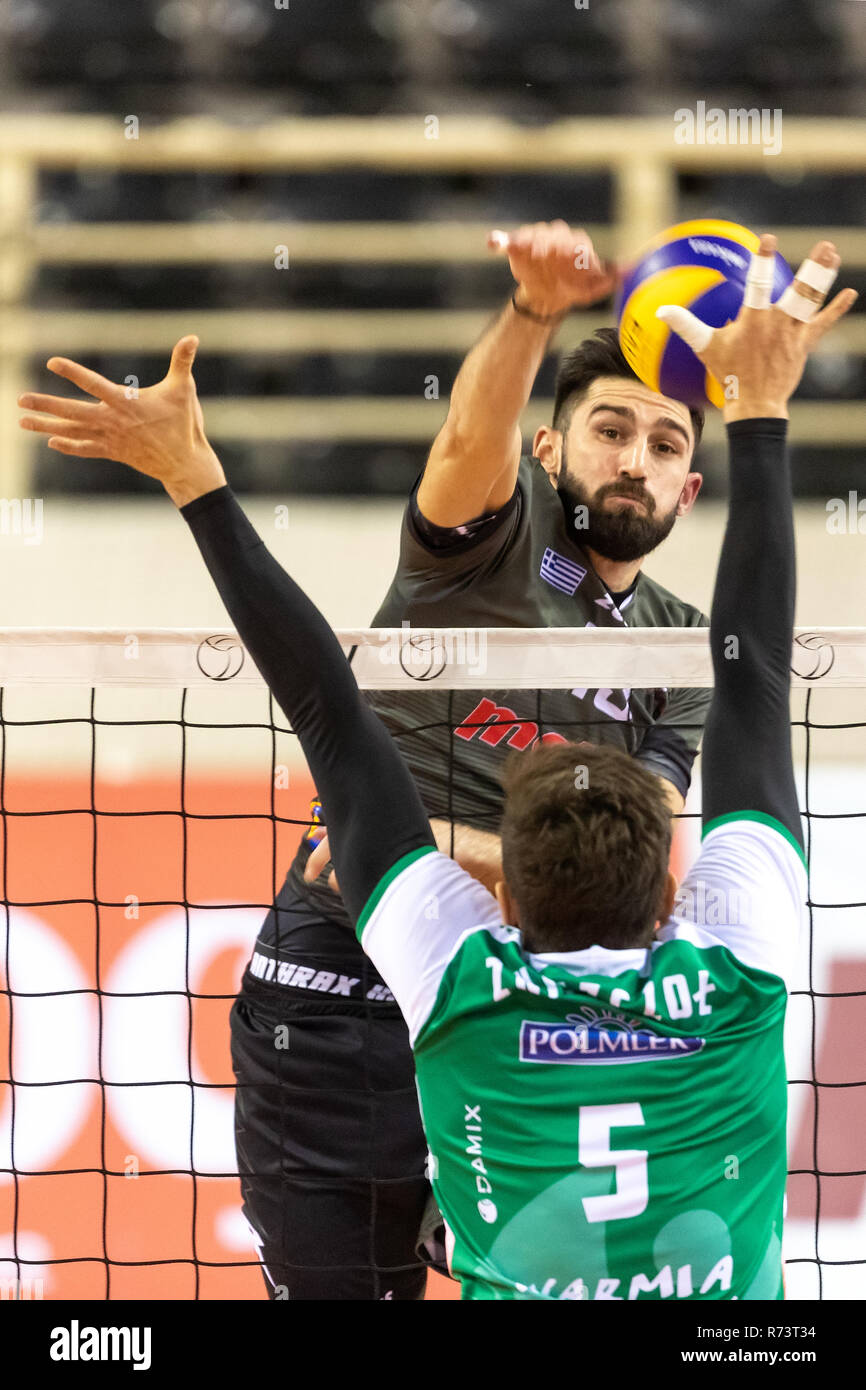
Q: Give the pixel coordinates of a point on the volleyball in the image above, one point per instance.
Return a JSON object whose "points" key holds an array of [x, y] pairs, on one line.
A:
{"points": [[701, 265]]}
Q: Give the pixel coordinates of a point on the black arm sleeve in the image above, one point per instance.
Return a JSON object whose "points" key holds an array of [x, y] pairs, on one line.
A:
{"points": [[665, 752], [747, 764], [371, 806]]}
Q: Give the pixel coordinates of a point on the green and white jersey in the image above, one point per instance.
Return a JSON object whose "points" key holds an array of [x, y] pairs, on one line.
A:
{"points": [[604, 1124]]}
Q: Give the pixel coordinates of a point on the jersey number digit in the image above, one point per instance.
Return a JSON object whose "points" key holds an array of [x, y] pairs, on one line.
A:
{"points": [[593, 1151]]}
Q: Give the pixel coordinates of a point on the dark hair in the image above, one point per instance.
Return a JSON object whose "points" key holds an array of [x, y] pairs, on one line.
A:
{"points": [[600, 355], [586, 837]]}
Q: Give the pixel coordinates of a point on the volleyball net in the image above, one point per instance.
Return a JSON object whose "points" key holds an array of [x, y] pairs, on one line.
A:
{"points": [[152, 798]]}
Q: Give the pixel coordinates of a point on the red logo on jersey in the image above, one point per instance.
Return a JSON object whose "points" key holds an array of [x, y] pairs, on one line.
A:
{"points": [[492, 722]]}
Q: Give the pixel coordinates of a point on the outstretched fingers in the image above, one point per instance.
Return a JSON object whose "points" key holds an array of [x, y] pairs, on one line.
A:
{"points": [[83, 377], [804, 297], [182, 356], [58, 425], [831, 313], [687, 326], [62, 406], [825, 253], [761, 273], [84, 449]]}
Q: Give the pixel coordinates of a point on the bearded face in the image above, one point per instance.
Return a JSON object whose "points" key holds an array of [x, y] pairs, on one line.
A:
{"points": [[618, 520]]}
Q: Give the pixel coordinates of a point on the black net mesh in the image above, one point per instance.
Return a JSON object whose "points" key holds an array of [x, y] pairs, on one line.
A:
{"points": [[132, 901]]}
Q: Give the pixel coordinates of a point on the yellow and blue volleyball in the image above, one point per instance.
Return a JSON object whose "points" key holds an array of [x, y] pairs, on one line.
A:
{"points": [[701, 265]]}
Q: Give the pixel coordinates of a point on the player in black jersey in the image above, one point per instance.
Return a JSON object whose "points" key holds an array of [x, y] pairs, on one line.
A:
{"points": [[489, 539], [330, 1147]]}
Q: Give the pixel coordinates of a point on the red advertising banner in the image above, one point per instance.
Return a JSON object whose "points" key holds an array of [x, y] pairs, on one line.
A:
{"points": [[126, 935], [103, 1081]]}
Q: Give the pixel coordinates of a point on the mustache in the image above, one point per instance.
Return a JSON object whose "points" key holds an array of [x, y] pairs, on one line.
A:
{"points": [[639, 494]]}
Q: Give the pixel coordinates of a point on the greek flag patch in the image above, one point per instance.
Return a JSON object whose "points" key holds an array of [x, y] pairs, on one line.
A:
{"points": [[562, 574]]}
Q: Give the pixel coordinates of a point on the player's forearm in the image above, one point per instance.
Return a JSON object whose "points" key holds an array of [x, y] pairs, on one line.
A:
{"points": [[358, 772], [752, 617], [284, 633], [495, 382], [475, 457], [747, 744]]}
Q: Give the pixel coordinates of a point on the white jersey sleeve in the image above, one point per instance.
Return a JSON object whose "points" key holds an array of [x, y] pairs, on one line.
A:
{"points": [[414, 922], [747, 891]]}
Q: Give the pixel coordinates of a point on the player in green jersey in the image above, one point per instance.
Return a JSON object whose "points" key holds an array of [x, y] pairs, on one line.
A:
{"points": [[599, 1058]]}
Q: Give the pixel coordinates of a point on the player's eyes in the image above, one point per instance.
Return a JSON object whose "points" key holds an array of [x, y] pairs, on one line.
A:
{"points": [[661, 446]]}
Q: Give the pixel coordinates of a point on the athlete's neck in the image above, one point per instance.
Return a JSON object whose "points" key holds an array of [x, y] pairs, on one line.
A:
{"points": [[616, 575]]}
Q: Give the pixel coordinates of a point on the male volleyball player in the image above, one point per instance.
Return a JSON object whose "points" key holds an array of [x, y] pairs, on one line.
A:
{"points": [[587, 1063], [488, 539], [554, 540]]}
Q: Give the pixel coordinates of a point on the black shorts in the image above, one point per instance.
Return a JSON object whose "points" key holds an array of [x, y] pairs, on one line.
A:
{"points": [[330, 1148]]}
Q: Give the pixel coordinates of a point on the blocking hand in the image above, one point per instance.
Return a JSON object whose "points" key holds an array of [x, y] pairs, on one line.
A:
{"points": [[759, 358], [157, 430]]}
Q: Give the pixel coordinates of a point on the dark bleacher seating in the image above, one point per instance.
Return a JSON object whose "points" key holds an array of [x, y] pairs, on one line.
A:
{"points": [[774, 200], [549, 52], [91, 44], [531, 60], [762, 51], [333, 52]]}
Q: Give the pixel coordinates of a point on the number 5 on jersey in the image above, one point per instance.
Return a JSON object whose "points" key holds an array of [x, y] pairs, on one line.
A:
{"points": [[631, 1195]]}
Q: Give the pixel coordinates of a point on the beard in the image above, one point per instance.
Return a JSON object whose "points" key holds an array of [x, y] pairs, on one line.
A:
{"points": [[624, 533]]}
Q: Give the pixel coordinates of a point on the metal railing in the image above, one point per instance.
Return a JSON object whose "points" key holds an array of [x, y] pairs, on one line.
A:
{"points": [[642, 157]]}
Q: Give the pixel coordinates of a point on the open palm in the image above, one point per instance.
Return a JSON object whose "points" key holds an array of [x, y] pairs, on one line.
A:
{"points": [[157, 430]]}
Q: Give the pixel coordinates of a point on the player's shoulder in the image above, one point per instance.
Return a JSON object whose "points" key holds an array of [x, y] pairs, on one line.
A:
{"points": [[656, 606], [416, 925], [424, 543], [755, 835], [746, 893], [430, 891]]}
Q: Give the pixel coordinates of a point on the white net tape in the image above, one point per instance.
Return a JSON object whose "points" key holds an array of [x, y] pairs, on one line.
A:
{"points": [[389, 659]]}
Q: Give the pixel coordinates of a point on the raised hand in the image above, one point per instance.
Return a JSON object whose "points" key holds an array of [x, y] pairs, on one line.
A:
{"points": [[555, 267], [759, 358], [318, 858], [157, 430]]}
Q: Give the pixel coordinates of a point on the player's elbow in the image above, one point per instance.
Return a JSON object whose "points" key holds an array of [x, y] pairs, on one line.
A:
{"points": [[468, 472]]}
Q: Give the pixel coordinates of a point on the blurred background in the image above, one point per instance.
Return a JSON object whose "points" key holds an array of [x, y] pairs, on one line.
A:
{"points": [[308, 186], [493, 77]]}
